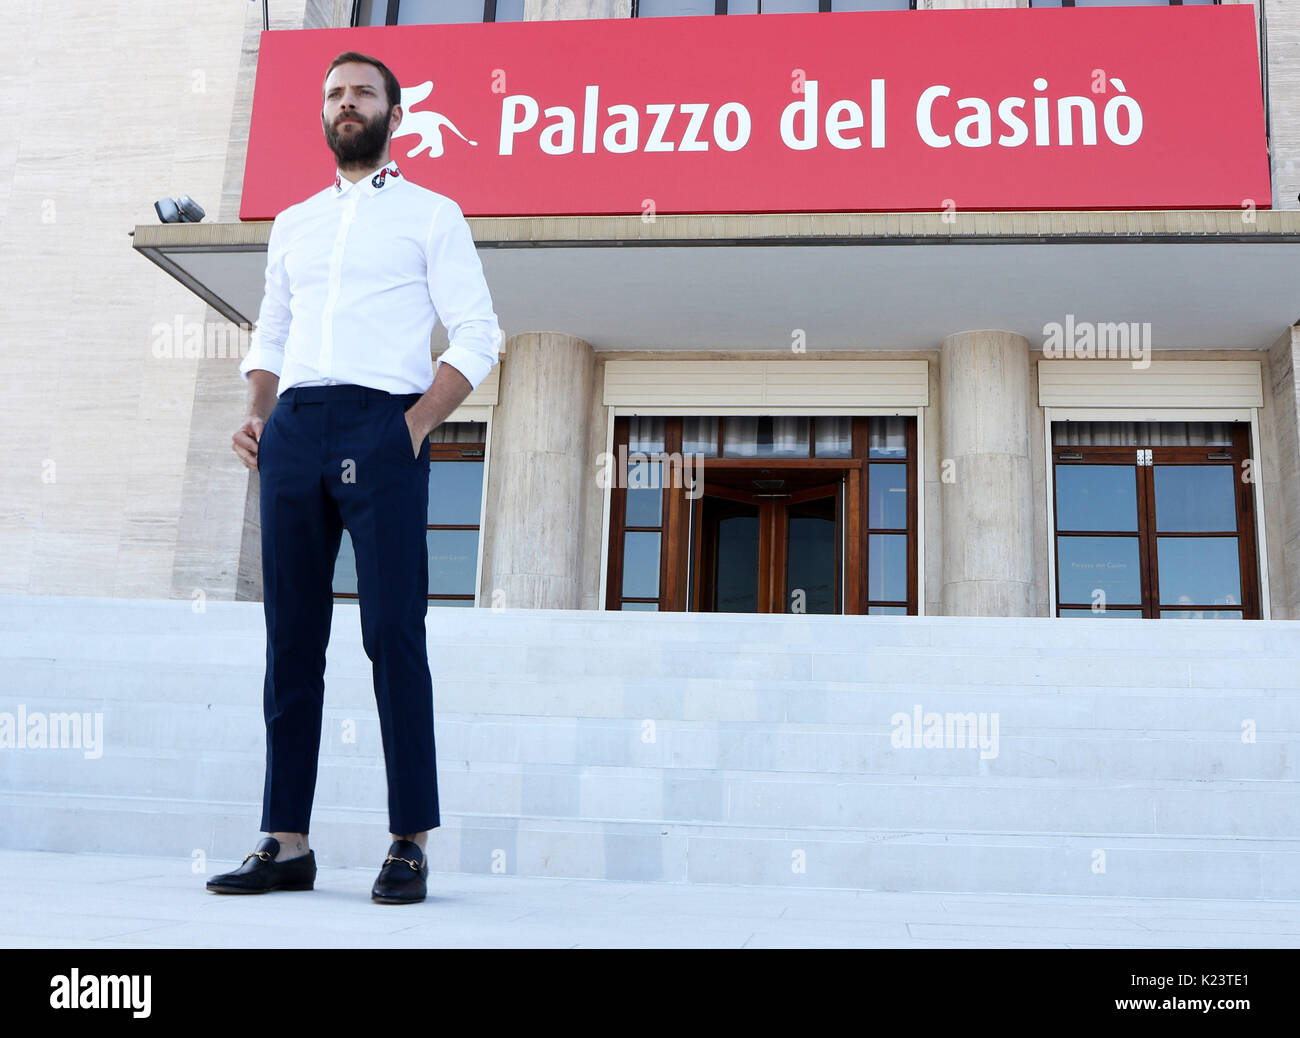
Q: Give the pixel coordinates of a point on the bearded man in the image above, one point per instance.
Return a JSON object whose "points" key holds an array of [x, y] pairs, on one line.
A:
{"points": [[343, 395]]}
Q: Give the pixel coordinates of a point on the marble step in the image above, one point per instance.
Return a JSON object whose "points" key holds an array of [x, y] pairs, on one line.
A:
{"points": [[139, 729], [215, 836], [54, 685], [160, 620], [956, 803]]}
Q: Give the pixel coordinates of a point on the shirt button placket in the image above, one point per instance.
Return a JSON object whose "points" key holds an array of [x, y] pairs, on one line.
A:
{"points": [[335, 281]]}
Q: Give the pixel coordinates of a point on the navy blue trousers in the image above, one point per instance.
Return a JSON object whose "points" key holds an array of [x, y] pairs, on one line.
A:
{"points": [[332, 457]]}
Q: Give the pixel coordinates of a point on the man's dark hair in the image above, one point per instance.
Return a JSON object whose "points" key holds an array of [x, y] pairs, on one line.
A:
{"points": [[391, 87]]}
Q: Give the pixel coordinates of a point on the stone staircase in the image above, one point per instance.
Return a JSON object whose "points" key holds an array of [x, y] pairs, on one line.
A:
{"points": [[1118, 757]]}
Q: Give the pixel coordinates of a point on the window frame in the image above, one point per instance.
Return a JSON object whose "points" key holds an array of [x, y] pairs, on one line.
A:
{"points": [[678, 534], [823, 7], [391, 8], [469, 452], [1120, 3], [1147, 532]]}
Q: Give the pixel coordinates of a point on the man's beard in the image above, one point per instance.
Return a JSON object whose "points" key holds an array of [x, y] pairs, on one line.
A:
{"points": [[362, 147]]}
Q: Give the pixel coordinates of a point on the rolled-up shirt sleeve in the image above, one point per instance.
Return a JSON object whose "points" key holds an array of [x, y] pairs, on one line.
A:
{"points": [[266, 344], [460, 296]]}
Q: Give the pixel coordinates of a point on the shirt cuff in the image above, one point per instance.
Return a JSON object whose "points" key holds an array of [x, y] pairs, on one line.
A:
{"points": [[474, 366], [264, 359]]}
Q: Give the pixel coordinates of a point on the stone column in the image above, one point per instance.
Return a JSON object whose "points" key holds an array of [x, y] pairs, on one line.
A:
{"points": [[1283, 89], [1281, 475], [539, 474], [987, 480]]}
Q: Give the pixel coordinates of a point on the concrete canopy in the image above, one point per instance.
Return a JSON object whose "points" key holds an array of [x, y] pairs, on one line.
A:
{"points": [[1203, 279]]}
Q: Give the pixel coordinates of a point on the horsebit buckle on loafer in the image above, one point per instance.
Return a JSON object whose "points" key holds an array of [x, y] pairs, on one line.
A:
{"points": [[263, 855], [391, 857]]}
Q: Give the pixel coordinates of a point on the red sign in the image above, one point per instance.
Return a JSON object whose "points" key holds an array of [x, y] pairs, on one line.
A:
{"points": [[1064, 108]]}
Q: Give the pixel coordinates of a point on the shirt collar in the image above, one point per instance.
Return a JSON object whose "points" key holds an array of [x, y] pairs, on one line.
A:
{"points": [[370, 184]]}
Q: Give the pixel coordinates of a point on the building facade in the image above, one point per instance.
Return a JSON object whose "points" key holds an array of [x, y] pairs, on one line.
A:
{"points": [[988, 413]]}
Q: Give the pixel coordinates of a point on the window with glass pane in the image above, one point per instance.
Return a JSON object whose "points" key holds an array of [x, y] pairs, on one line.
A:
{"points": [[1099, 570], [888, 509], [764, 525], [1119, 3], [641, 564], [673, 8], [460, 432], [1122, 3], [737, 583], [643, 512], [1143, 434], [870, 5], [437, 12], [1149, 520], [509, 11], [1195, 499], [1096, 497], [812, 570], [455, 501], [887, 496], [644, 492], [700, 436], [1197, 570], [1201, 614], [887, 438], [766, 436], [372, 12], [834, 437], [887, 566], [645, 433], [1105, 612]]}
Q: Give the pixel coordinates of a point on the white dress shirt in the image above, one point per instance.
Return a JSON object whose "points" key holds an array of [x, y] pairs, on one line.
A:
{"points": [[358, 275]]}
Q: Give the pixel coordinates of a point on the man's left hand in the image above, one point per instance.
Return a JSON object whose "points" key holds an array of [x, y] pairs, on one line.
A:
{"points": [[448, 392], [416, 433]]}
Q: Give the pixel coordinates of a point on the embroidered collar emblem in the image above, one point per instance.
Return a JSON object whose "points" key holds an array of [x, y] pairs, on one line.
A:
{"points": [[377, 181]]}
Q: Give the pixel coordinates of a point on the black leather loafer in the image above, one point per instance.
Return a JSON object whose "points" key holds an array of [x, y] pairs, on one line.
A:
{"points": [[402, 878], [261, 873]]}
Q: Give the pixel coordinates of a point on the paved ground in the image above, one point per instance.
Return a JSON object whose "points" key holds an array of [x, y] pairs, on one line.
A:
{"points": [[50, 900]]}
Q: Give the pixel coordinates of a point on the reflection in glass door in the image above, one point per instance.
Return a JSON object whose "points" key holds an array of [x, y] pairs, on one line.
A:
{"points": [[1154, 519], [812, 551], [730, 536], [768, 549]]}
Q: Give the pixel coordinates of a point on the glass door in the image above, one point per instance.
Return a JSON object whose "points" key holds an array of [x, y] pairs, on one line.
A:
{"points": [[730, 554], [810, 541], [765, 547]]}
